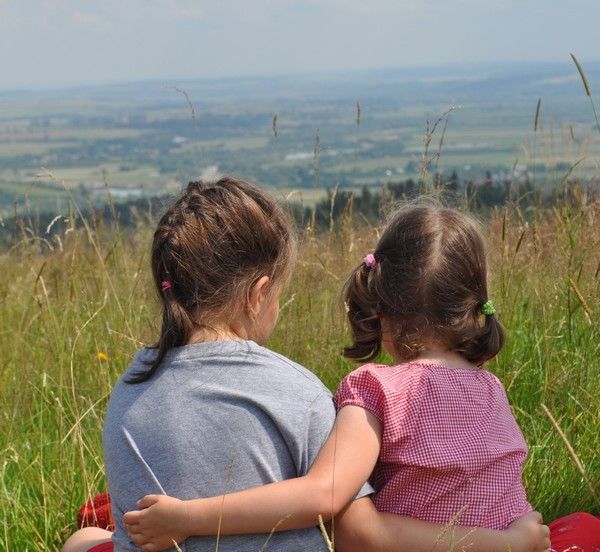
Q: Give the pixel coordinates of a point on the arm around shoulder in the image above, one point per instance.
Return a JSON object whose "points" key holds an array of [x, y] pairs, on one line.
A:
{"points": [[341, 468]]}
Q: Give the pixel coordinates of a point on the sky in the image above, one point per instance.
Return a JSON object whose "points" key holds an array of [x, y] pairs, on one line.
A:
{"points": [[60, 43]]}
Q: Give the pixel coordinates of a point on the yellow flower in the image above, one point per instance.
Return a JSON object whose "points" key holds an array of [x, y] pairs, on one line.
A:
{"points": [[102, 356]]}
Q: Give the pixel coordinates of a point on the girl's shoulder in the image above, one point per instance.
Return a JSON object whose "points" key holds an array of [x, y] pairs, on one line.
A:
{"points": [[385, 375], [381, 388], [414, 379], [230, 360], [298, 370]]}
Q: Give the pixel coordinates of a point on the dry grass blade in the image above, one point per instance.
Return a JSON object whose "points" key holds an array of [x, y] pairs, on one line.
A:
{"points": [[187, 99], [571, 169], [536, 121], [441, 144], [587, 88], [447, 537], [53, 222], [316, 157], [264, 547], [426, 159], [358, 113], [39, 272], [328, 541], [225, 491], [520, 240], [536, 127], [586, 84], [332, 208], [582, 301], [287, 303], [572, 452], [274, 126]]}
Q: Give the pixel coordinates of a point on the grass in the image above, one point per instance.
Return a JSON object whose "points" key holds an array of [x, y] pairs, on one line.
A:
{"points": [[72, 319]]}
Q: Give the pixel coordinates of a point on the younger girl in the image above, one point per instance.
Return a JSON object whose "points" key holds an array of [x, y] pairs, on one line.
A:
{"points": [[434, 432], [210, 409]]}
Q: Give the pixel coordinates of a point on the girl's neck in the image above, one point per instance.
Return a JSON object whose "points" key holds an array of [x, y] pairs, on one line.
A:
{"points": [[443, 357], [219, 332]]}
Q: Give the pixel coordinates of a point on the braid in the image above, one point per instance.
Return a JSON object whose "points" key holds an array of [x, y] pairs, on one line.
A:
{"points": [[177, 323]]}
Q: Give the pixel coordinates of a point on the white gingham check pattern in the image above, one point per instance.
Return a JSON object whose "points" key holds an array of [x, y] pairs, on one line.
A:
{"points": [[451, 451]]}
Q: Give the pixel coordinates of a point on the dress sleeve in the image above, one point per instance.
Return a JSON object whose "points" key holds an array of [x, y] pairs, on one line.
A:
{"points": [[362, 388], [393, 394]]}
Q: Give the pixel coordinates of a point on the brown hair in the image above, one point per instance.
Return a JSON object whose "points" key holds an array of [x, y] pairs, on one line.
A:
{"points": [[211, 246], [430, 280]]}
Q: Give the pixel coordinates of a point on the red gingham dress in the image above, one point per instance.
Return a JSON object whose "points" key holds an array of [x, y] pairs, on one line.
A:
{"points": [[451, 451]]}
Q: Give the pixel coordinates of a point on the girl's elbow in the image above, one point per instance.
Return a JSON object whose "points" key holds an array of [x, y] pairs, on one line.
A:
{"points": [[329, 502]]}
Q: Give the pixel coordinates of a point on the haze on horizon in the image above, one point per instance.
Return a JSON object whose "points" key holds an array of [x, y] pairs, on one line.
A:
{"points": [[59, 43]]}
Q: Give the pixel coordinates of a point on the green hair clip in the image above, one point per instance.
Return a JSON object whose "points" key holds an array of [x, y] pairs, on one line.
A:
{"points": [[488, 308]]}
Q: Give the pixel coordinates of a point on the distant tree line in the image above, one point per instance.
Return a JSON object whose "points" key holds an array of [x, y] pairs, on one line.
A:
{"points": [[477, 196], [338, 206]]}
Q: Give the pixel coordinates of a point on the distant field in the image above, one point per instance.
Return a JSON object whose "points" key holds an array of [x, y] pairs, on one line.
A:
{"points": [[14, 149], [370, 129]]}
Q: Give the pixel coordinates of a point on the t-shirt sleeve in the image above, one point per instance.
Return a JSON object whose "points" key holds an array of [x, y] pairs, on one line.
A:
{"points": [[320, 422], [320, 419], [361, 388]]}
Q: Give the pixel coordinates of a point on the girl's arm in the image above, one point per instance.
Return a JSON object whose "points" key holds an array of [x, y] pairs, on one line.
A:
{"points": [[361, 528], [342, 466]]}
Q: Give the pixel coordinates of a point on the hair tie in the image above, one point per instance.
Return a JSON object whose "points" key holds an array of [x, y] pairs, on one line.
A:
{"points": [[370, 261], [488, 308], [165, 285]]}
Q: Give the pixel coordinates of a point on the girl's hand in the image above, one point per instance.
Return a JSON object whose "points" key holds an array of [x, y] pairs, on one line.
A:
{"points": [[161, 522], [530, 535]]}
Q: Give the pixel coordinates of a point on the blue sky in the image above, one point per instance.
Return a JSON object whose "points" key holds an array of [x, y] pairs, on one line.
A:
{"points": [[53, 43]]}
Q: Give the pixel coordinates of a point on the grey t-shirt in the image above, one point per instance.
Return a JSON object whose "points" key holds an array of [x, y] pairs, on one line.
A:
{"points": [[215, 417]]}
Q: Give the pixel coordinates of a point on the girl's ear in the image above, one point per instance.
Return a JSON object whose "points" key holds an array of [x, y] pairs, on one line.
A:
{"points": [[257, 295]]}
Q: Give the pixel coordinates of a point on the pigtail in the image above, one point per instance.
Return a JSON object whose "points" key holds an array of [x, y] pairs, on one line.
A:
{"points": [[486, 343], [365, 323], [479, 342]]}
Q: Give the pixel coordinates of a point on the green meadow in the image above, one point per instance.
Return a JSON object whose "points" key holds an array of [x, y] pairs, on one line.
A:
{"points": [[73, 317]]}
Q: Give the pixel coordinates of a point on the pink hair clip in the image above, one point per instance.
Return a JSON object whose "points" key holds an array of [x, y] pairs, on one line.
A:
{"points": [[165, 285], [370, 260]]}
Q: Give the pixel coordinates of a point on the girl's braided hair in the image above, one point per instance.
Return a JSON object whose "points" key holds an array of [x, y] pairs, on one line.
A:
{"points": [[429, 279], [210, 247]]}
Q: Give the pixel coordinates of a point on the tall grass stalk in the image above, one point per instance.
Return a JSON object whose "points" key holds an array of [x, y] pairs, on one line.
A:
{"points": [[537, 124], [587, 88]]}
